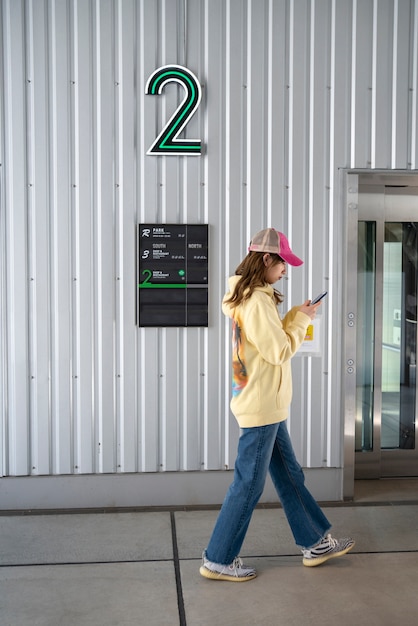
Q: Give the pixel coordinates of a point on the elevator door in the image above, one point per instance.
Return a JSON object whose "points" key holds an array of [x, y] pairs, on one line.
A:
{"points": [[386, 329]]}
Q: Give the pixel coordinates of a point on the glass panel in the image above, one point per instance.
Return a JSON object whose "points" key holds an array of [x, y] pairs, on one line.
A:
{"points": [[399, 335], [366, 278]]}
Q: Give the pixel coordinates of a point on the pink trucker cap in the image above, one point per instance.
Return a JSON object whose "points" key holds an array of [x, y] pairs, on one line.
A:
{"points": [[271, 240]]}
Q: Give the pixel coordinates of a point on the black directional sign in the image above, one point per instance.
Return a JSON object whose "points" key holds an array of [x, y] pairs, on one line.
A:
{"points": [[172, 274]]}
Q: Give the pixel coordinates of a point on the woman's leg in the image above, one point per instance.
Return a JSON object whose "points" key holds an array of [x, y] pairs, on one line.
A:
{"points": [[254, 453], [306, 519]]}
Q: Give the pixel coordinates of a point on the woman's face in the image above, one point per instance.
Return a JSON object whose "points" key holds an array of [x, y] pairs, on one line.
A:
{"points": [[274, 271]]}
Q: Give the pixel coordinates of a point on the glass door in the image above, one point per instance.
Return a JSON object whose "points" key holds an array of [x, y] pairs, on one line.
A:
{"points": [[386, 331]]}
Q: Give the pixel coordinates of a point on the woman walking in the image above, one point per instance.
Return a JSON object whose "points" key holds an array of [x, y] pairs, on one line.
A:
{"points": [[263, 345]]}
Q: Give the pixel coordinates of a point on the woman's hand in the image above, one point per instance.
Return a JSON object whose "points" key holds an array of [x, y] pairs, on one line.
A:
{"points": [[309, 309]]}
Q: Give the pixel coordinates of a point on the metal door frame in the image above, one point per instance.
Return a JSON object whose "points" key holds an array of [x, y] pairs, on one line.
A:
{"points": [[368, 464]]}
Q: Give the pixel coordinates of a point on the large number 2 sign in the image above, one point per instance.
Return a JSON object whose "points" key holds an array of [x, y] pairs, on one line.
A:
{"points": [[167, 141]]}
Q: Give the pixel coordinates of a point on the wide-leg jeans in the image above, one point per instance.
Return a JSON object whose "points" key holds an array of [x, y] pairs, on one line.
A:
{"points": [[262, 449]]}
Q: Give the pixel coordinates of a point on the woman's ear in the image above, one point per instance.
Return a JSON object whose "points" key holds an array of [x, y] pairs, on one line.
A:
{"points": [[267, 260]]}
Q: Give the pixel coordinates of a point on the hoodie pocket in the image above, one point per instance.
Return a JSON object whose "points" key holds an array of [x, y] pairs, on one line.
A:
{"points": [[284, 391]]}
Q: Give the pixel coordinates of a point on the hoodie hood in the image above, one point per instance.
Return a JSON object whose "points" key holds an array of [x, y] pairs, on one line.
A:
{"points": [[227, 309]]}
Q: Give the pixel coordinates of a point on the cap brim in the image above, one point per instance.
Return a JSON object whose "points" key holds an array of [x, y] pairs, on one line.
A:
{"points": [[291, 258]]}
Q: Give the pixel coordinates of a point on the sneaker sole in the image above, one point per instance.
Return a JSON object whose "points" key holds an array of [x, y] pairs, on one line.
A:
{"points": [[321, 559], [215, 576]]}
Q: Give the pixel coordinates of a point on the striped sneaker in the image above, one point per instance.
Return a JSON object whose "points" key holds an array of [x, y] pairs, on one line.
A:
{"points": [[326, 549], [236, 572]]}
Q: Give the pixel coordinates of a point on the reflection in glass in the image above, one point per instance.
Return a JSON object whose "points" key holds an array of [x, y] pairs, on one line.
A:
{"points": [[366, 279], [399, 335]]}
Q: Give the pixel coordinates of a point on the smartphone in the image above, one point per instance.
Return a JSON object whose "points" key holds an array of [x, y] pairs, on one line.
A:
{"points": [[319, 297]]}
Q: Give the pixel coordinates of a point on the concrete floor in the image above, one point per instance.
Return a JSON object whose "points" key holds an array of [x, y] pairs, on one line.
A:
{"points": [[125, 568]]}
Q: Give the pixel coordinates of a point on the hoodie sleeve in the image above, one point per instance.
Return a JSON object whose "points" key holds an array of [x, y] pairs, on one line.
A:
{"points": [[275, 341], [290, 316]]}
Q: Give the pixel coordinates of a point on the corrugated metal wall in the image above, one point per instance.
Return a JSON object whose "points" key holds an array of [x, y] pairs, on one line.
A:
{"points": [[293, 90]]}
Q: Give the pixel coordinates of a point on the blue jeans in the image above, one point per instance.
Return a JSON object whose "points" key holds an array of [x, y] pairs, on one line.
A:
{"points": [[262, 449]]}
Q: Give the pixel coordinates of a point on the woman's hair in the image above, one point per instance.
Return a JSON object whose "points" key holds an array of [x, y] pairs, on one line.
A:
{"points": [[253, 274]]}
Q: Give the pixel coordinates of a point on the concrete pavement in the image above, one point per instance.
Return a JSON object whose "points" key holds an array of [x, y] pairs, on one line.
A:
{"points": [[142, 568]]}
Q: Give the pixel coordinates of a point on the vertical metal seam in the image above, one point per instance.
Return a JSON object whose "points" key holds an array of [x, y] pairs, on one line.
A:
{"points": [[311, 123], [141, 461], [161, 107], [49, 231], [142, 335], [115, 181], [331, 232], [227, 196], [31, 233], [182, 422], [353, 86], [183, 408], [161, 167], [311, 126], [119, 232], [98, 456], [269, 164], [3, 261], [7, 193], [285, 125], [139, 191], [52, 184], [204, 333], [291, 80], [25, 105], [414, 87], [205, 191], [179, 372], [248, 135], [75, 246], [203, 360], [291, 121], [374, 87], [185, 21], [162, 400], [394, 81], [73, 239], [93, 407], [135, 218], [205, 393], [244, 111]]}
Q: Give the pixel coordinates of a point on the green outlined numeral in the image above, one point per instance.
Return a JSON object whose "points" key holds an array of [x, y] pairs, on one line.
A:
{"points": [[167, 141], [148, 275]]}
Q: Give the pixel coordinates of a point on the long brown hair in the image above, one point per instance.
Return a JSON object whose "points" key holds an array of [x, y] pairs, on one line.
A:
{"points": [[253, 274]]}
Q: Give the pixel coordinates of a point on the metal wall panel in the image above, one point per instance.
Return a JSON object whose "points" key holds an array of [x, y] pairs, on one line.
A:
{"points": [[293, 90]]}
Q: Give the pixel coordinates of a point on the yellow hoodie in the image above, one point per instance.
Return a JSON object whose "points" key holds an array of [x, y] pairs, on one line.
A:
{"points": [[263, 345]]}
